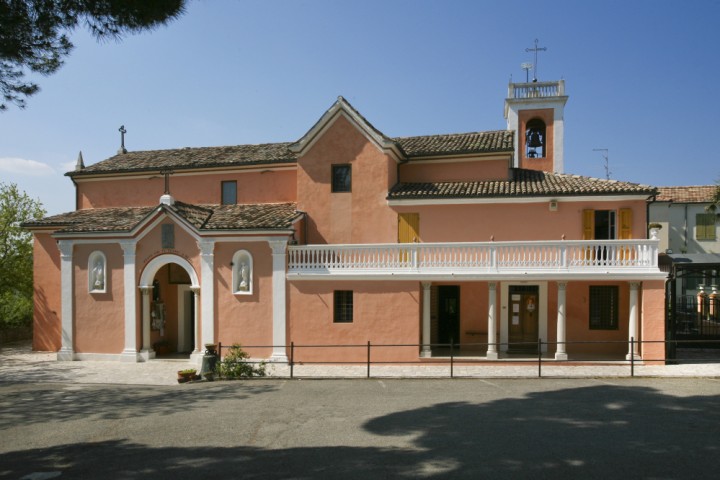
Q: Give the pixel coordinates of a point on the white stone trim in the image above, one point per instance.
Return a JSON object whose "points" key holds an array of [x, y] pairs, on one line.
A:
{"points": [[279, 306], [130, 353], [207, 289], [515, 200], [426, 326], [561, 350], [633, 330], [67, 293], [492, 350]]}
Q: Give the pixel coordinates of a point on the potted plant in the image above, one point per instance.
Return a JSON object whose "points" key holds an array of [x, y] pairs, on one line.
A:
{"points": [[186, 375]]}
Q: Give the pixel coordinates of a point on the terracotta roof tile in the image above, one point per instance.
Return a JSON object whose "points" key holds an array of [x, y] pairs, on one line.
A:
{"points": [[691, 194], [524, 183], [457, 143], [272, 216]]}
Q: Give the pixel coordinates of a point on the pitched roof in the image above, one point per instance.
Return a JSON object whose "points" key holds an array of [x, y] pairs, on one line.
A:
{"points": [[457, 143], [272, 216], [286, 152], [691, 194], [524, 183]]}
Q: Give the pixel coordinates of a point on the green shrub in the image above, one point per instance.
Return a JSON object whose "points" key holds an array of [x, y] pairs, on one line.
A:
{"points": [[235, 364]]}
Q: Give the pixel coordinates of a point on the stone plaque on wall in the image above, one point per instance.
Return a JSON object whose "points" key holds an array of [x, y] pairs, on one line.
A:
{"points": [[168, 236]]}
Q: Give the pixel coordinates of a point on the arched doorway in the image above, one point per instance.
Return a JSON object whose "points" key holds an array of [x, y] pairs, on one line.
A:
{"points": [[169, 323]]}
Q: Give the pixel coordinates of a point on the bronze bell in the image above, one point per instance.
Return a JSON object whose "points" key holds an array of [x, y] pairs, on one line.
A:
{"points": [[533, 139]]}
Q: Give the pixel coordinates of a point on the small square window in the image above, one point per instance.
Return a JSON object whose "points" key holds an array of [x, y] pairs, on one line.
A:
{"points": [[341, 178], [604, 309], [343, 306], [229, 192]]}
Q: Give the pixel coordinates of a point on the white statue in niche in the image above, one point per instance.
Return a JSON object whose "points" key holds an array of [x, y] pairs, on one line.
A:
{"points": [[98, 275], [244, 283]]}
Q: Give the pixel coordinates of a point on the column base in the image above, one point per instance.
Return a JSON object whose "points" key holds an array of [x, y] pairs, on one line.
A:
{"points": [[65, 355], [631, 356], [492, 355], [278, 357], [561, 356], [426, 352], [129, 356], [146, 355], [196, 357]]}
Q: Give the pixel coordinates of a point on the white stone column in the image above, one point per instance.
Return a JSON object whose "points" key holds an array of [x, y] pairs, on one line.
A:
{"points": [[66, 352], [492, 352], [426, 351], [561, 351], [197, 352], [129, 353], [146, 353], [279, 309], [633, 331], [207, 290]]}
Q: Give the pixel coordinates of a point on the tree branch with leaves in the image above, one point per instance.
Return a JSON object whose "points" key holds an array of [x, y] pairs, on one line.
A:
{"points": [[34, 34]]}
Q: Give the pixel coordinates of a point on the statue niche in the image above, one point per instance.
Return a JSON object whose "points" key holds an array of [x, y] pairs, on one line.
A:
{"points": [[97, 272], [242, 273]]}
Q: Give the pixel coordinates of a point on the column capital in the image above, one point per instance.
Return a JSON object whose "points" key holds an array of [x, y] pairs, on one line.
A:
{"points": [[128, 247], [492, 285], [207, 247], [195, 289], [426, 285], [146, 289], [66, 248], [278, 246], [562, 285], [634, 285]]}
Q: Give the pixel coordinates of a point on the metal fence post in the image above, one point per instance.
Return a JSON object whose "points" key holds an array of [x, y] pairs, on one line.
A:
{"points": [[539, 357], [452, 357], [292, 358], [632, 356], [368, 359]]}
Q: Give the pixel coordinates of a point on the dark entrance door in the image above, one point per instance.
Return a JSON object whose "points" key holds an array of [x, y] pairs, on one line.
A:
{"points": [[523, 318], [449, 314]]}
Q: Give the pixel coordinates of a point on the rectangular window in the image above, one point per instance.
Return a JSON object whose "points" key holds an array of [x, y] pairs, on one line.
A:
{"points": [[604, 224], [604, 307], [343, 306], [341, 178], [229, 192], [705, 226]]}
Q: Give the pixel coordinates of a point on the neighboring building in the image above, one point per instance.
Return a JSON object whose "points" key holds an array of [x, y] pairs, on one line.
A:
{"points": [[687, 225], [348, 236], [690, 240]]}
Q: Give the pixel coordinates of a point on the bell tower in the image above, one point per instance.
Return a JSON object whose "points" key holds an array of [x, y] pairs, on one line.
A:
{"points": [[534, 111]]}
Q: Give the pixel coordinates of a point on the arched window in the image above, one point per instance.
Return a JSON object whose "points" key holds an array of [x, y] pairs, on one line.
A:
{"points": [[97, 272], [535, 139], [242, 273]]}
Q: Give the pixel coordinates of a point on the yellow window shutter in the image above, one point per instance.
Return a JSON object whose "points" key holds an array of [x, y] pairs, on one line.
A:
{"points": [[408, 227], [588, 225], [625, 223]]}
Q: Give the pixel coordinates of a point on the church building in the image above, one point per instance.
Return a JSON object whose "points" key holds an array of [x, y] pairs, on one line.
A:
{"points": [[348, 236]]}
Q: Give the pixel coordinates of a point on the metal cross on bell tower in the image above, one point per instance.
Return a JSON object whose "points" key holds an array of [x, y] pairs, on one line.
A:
{"points": [[536, 49]]}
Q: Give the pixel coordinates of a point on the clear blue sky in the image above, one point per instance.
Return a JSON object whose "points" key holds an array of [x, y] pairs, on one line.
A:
{"points": [[642, 77]]}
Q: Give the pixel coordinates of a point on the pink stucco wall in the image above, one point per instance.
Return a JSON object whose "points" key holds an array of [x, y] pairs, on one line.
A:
{"points": [[99, 323], [513, 221], [446, 171], [46, 299], [652, 323], [268, 186], [360, 216], [387, 313]]}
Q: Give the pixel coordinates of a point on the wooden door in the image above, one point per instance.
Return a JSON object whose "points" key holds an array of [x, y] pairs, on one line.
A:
{"points": [[523, 314], [449, 314]]}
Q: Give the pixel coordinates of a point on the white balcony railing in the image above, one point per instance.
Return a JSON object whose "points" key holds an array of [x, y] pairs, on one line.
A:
{"points": [[476, 258], [537, 89]]}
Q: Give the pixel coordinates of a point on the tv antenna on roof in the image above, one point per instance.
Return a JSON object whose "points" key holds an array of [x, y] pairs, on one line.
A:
{"points": [[605, 154], [526, 67]]}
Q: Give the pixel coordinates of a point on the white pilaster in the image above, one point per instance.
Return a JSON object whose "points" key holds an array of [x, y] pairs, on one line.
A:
{"points": [[561, 351], [492, 352], [426, 350], [207, 290], [197, 353], [633, 332], [66, 352], [129, 353], [147, 352], [279, 256]]}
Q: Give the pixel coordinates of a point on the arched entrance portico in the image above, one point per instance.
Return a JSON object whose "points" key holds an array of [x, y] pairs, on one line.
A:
{"points": [[182, 333]]}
